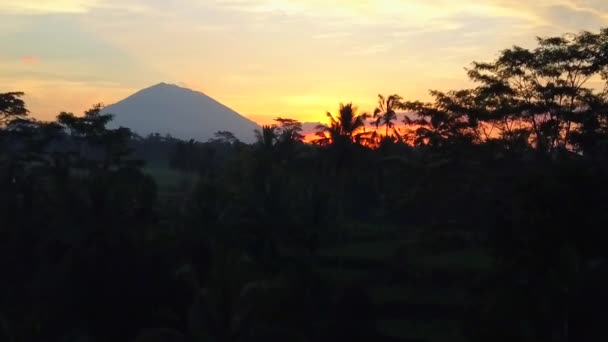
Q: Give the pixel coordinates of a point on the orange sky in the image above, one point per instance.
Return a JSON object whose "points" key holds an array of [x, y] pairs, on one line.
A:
{"points": [[264, 58]]}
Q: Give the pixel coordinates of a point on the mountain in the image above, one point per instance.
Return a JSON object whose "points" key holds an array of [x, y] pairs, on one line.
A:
{"points": [[181, 112]]}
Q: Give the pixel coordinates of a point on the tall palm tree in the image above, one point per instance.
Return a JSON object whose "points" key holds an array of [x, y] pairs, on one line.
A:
{"points": [[385, 114], [289, 130], [267, 137], [285, 134], [347, 127]]}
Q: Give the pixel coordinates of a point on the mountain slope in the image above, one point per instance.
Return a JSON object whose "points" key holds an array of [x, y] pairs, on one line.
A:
{"points": [[181, 112]]}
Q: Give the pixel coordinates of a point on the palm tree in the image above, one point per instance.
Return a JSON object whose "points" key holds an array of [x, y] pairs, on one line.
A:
{"points": [[385, 113], [267, 137], [344, 130], [286, 133], [346, 127], [289, 131]]}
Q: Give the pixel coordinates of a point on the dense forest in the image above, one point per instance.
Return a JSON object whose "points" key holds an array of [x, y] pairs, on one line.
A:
{"points": [[480, 216]]}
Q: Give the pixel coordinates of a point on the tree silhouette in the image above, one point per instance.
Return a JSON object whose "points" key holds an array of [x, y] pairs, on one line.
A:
{"points": [[289, 130], [224, 137], [543, 90], [282, 136], [449, 119], [11, 107], [346, 128], [267, 137], [95, 146], [385, 112]]}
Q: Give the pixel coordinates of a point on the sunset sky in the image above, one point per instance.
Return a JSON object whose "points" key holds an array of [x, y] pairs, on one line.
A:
{"points": [[263, 58]]}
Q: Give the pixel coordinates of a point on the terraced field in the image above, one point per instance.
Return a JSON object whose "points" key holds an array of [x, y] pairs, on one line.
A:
{"points": [[419, 294]]}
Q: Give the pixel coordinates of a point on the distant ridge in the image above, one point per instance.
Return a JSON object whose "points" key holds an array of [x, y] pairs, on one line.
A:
{"points": [[182, 112]]}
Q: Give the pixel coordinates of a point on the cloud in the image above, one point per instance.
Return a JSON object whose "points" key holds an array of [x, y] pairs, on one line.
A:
{"points": [[46, 6], [404, 12], [30, 60], [415, 15]]}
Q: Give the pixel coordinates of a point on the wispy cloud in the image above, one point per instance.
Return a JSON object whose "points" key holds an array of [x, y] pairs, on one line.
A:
{"points": [[46, 6], [416, 15], [400, 13]]}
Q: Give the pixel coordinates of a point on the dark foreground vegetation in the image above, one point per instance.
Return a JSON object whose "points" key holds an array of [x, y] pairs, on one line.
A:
{"points": [[482, 217]]}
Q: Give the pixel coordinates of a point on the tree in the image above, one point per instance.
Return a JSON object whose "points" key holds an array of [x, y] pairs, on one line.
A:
{"points": [[284, 134], [385, 113], [544, 90], [539, 96], [267, 137], [11, 107], [224, 137], [348, 127], [449, 119], [289, 130], [94, 145], [91, 125]]}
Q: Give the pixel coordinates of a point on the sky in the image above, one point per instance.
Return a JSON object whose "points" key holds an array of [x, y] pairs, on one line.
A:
{"points": [[265, 58]]}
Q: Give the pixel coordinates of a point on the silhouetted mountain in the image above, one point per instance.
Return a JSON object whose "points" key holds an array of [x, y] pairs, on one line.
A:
{"points": [[181, 112]]}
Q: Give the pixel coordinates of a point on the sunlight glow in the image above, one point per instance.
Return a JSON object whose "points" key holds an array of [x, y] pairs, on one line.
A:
{"points": [[296, 58]]}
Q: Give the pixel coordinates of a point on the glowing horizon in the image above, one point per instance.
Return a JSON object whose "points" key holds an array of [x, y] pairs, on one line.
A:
{"points": [[264, 58]]}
